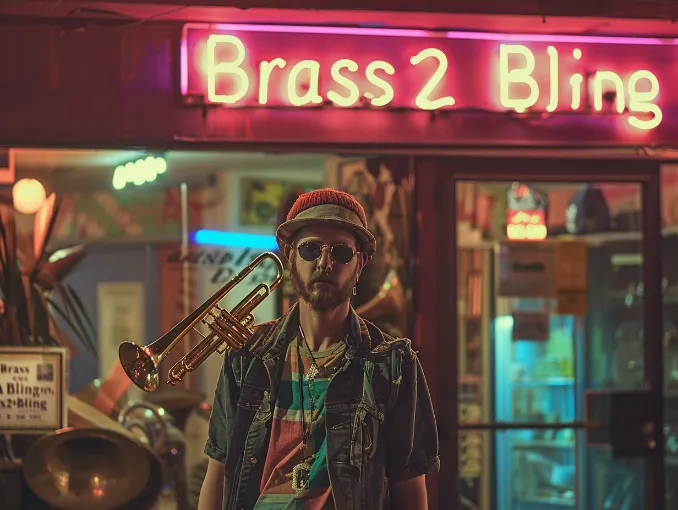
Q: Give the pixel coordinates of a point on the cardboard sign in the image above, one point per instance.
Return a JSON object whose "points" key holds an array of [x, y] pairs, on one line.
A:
{"points": [[33, 385], [572, 277]]}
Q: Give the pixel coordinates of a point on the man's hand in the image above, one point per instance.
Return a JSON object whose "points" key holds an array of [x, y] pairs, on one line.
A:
{"points": [[409, 494]]}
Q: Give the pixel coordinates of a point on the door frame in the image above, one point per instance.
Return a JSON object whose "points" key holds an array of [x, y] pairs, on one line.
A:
{"points": [[437, 298]]}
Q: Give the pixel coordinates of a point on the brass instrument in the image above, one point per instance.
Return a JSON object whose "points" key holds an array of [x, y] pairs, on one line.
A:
{"points": [[227, 330], [165, 440], [388, 308], [96, 465]]}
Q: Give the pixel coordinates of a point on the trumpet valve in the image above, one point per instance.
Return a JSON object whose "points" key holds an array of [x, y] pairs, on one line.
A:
{"points": [[248, 321], [222, 348], [176, 373]]}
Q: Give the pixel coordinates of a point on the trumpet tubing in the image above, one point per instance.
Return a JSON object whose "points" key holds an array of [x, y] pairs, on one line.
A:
{"points": [[227, 330]]}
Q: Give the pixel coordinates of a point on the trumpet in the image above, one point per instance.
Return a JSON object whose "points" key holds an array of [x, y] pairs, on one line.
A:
{"points": [[227, 330]]}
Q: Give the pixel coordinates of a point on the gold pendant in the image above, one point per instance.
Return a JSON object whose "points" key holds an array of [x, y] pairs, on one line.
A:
{"points": [[300, 476]]}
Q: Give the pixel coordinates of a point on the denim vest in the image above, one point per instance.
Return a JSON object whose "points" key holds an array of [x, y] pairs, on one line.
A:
{"points": [[380, 424]]}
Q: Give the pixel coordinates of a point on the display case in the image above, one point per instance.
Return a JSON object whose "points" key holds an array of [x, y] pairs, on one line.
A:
{"points": [[543, 363], [535, 383], [552, 375]]}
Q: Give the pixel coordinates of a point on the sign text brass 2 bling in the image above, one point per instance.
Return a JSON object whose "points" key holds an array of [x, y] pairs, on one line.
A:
{"points": [[306, 67]]}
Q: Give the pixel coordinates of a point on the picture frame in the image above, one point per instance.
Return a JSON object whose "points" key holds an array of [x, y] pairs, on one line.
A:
{"points": [[260, 198], [33, 389]]}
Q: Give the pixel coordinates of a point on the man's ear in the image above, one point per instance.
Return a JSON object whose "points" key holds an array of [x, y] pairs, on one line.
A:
{"points": [[288, 250], [362, 260]]}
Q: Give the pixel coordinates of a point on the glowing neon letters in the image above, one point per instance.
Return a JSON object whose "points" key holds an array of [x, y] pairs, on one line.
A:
{"points": [[526, 81], [605, 84]]}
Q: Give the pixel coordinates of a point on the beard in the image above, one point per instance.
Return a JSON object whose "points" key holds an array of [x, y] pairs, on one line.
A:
{"points": [[322, 298]]}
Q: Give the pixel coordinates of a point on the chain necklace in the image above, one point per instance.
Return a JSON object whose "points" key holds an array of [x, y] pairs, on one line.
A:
{"points": [[301, 472]]}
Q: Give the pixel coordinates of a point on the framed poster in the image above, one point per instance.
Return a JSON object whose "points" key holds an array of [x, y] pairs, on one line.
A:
{"points": [[261, 197], [121, 310], [33, 386]]}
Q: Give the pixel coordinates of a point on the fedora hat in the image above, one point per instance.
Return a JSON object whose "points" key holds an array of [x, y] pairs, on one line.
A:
{"points": [[327, 207]]}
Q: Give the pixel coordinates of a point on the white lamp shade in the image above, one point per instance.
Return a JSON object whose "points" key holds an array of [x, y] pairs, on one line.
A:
{"points": [[28, 195]]}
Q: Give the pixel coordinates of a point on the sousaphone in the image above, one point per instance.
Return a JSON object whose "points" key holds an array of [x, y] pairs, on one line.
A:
{"points": [[98, 465], [388, 307]]}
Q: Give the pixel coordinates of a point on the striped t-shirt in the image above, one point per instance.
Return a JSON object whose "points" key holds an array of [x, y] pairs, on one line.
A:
{"points": [[284, 451]]}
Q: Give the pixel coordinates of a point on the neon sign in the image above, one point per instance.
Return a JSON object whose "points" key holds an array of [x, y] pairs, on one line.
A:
{"points": [[526, 225], [639, 91], [318, 67]]}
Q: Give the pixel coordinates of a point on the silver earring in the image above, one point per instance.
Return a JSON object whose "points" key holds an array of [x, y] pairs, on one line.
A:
{"points": [[354, 292]]}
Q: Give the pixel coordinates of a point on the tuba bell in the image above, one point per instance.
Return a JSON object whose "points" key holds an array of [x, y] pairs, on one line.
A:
{"points": [[92, 467], [388, 307], [227, 330]]}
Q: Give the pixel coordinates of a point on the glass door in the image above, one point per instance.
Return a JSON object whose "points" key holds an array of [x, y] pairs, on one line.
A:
{"points": [[559, 336]]}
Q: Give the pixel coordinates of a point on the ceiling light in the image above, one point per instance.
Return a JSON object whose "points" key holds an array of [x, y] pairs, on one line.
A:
{"points": [[28, 195]]}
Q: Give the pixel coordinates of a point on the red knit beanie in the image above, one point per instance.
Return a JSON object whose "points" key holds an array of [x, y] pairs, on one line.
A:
{"points": [[327, 196]]}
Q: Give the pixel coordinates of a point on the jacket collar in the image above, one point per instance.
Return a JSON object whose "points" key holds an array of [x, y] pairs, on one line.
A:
{"points": [[285, 329]]}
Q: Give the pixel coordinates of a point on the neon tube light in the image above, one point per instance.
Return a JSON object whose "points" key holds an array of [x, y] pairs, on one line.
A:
{"points": [[235, 240], [409, 33], [240, 65], [404, 32]]}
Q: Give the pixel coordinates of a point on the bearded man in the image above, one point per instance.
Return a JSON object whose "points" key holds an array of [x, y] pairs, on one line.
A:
{"points": [[321, 410]]}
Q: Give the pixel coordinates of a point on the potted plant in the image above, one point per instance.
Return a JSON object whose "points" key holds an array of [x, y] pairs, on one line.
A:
{"points": [[34, 301]]}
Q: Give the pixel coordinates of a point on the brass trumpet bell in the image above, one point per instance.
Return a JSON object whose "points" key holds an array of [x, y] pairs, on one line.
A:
{"points": [[86, 468], [139, 366]]}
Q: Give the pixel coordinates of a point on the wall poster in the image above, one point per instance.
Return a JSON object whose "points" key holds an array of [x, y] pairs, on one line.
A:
{"points": [[33, 386], [121, 310], [261, 198], [384, 186]]}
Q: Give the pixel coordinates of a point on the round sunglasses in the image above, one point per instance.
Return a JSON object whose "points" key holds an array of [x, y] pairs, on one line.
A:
{"points": [[312, 250]]}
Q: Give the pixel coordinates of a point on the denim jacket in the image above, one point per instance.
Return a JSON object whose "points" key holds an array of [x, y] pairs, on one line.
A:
{"points": [[380, 424]]}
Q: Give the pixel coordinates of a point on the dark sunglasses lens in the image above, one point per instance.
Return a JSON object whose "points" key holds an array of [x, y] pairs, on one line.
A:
{"points": [[342, 253], [309, 251]]}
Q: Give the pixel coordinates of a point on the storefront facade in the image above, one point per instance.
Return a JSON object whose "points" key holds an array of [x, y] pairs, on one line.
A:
{"points": [[202, 85], [461, 106]]}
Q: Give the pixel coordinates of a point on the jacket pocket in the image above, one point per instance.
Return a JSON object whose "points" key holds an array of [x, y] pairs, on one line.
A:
{"points": [[365, 433], [257, 400]]}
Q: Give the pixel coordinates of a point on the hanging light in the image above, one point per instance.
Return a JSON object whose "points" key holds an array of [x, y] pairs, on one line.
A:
{"points": [[28, 195], [139, 172]]}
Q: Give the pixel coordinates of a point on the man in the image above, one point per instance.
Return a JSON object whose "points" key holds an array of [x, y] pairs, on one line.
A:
{"points": [[321, 410]]}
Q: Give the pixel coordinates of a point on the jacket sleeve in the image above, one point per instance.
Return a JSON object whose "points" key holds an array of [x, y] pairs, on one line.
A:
{"points": [[223, 413], [412, 435]]}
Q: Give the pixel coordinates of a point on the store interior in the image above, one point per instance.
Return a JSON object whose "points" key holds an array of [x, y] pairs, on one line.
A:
{"points": [[137, 239], [529, 353]]}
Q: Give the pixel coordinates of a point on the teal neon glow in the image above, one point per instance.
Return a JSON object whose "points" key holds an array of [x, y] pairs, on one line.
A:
{"points": [[235, 240]]}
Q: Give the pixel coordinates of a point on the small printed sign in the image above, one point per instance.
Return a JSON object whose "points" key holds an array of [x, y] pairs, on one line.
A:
{"points": [[32, 389], [531, 326], [526, 270]]}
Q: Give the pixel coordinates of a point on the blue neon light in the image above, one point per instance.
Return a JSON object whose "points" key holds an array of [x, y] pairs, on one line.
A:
{"points": [[235, 240]]}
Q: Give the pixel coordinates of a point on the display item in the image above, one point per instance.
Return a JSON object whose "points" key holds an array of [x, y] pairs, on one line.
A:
{"points": [[587, 212]]}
